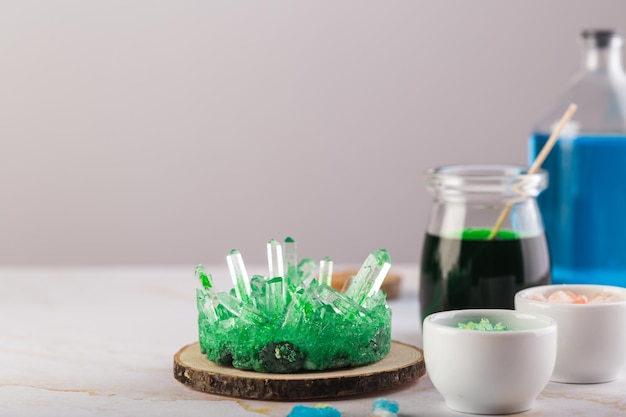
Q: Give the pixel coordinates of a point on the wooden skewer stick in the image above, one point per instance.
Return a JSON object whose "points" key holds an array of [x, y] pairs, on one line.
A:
{"points": [[536, 165]]}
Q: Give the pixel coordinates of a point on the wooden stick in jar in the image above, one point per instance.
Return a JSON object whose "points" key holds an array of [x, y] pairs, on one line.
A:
{"points": [[536, 165]]}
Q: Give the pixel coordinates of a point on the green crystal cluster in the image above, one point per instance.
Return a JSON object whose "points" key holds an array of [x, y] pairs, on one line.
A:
{"points": [[292, 320], [485, 325]]}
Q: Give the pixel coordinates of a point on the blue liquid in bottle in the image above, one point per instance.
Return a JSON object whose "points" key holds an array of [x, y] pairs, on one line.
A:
{"points": [[584, 207]]}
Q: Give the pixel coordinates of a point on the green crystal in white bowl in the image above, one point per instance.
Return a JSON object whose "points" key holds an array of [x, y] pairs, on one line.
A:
{"points": [[293, 320]]}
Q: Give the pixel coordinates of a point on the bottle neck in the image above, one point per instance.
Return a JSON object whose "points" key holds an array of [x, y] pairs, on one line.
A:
{"points": [[606, 59], [603, 57]]}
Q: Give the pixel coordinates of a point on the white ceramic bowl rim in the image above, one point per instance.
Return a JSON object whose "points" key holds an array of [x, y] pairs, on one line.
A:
{"points": [[539, 323], [588, 289]]}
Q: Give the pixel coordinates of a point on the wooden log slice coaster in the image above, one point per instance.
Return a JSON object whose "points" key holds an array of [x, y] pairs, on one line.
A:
{"points": [[403, 364]]}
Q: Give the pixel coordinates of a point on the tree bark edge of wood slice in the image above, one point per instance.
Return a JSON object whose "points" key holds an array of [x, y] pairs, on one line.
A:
{"points": [[403, 364]]}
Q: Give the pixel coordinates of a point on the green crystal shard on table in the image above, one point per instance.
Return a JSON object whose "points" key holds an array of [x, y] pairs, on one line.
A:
{"points": [[293, 320]]}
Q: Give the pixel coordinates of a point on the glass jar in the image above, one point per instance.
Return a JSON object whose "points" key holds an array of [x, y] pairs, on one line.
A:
{"points": [[582, 207], [466, 262]]}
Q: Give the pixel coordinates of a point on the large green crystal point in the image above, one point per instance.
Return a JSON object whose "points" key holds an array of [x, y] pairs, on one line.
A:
{"points": [[239, 275], [245, 313], [275, 259], [290, 321], [326, 271], [275, 296], [306, 271], [206, 306], [370, 277], [205, 279], [291, 262]]}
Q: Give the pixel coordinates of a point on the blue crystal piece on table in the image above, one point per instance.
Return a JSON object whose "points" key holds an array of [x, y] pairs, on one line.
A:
{"points": [[383, 407], [321, 410]]}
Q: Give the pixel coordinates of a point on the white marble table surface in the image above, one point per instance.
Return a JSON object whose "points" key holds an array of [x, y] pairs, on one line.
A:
{"points": [[100, 342]]}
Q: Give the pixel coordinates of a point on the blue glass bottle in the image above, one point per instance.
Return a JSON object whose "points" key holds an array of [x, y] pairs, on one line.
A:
{"points": [[584, 206]]}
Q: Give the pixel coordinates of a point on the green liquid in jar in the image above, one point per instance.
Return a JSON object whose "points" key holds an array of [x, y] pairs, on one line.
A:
{"points": [[469, 271]]}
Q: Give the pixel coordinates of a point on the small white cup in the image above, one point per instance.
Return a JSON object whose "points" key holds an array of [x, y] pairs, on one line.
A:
{"points": [[591, 337], [489, 372]]}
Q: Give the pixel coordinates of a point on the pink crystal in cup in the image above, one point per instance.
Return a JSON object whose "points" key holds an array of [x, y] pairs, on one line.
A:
{"points": [[591, 324]]}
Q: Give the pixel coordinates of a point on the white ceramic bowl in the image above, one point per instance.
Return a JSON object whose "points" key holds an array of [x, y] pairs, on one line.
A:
{"points": [[591, 337], [489, 372]]}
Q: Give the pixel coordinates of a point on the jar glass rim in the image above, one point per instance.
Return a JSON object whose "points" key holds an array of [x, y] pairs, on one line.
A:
{"points": [[485, 181], [484, 171]]}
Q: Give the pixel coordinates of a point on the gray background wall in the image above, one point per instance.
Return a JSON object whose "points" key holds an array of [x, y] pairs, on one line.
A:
{"points": [[136, 132]]}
